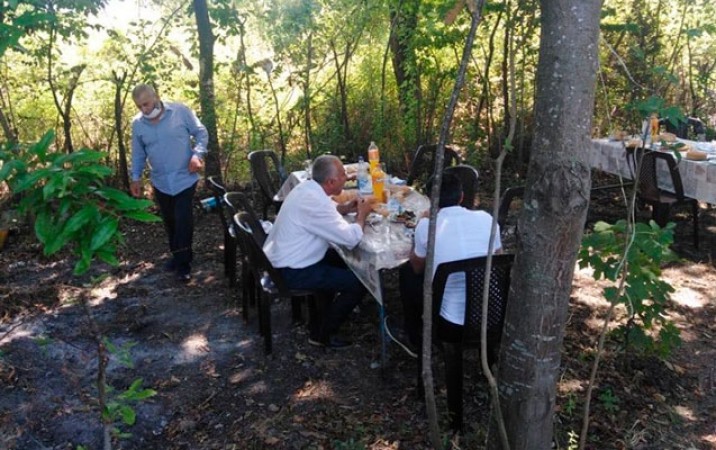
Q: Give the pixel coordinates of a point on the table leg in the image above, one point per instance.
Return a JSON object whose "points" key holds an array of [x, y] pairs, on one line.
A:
{"points": [[383, 333]]}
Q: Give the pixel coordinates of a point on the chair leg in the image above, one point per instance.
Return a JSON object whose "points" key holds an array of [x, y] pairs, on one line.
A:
{"points": [[296, 314], [695, 212], [660, 214], [230, 267], [227, 260], [246, 290], [453, 382], [268, 344]]}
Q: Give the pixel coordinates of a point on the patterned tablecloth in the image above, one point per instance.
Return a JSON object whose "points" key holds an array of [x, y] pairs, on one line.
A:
{"points": [[698, 177], [385, 245]]}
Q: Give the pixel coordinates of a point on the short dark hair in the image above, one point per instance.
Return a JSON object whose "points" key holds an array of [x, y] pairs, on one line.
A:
{"points": [[450, 192], [323, 168]]}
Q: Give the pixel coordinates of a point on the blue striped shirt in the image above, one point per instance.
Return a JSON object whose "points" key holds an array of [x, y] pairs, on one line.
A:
{"points": [[167, 146]]}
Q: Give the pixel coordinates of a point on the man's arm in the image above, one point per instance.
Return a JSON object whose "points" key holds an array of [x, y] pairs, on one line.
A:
{"points": [[139, 159], [416, 262]]}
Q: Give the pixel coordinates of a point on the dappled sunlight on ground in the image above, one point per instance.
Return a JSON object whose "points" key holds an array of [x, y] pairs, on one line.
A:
{"points": [[194, 346]]}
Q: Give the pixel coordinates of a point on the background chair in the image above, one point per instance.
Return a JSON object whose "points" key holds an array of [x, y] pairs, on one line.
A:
{"points": [[268, 173], [651, 193], [474, 271], [469, 179], [219, 192], [422, 166], [237, 202], [269, 279]]}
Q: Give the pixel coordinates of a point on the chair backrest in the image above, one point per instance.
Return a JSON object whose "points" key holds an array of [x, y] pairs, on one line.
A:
{"points": [[423, 164], [474, 270], [510, 195], [269, 277], [648, 180], [219, 192], [469, 179], [267, 171], [238, 202]]}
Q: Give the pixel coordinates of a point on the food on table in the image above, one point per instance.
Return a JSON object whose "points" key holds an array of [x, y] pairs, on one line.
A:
{"points": [[633, 143], [345, 196], [619, 135], [381, 208], [666, 137], [399, 192], [696, 155]]}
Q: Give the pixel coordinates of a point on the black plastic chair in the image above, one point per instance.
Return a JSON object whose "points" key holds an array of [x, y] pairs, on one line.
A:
{"points": [[423, 164], [651, 193], [269, 279], [469, 179], [474, 271], [219, 192], [268, 173], [237, 202]]}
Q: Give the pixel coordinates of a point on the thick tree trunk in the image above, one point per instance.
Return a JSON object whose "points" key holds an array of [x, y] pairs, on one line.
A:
{"points": [[551, 223], [404, 22], [206, 86]]}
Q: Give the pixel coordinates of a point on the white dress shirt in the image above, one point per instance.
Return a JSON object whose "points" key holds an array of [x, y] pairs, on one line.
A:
{"points": [[460, 234], [307, 222]]}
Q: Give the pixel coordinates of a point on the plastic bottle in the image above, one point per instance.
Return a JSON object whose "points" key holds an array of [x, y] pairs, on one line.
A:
{"points": [[363, 178], [378, 177], [373, 156], [654, 125]]}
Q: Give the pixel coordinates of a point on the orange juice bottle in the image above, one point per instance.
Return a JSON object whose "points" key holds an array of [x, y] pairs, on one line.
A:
{"points": [[654, 125], [373, 156], [378, 176]]}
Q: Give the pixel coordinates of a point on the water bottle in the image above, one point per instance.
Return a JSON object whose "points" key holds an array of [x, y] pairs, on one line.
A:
{"points": [[363, 179]]}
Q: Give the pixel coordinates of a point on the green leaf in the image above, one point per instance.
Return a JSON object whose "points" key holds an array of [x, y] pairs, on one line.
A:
{"points": [[79, 219], [128, 414], [142, 216], [104, 232]]}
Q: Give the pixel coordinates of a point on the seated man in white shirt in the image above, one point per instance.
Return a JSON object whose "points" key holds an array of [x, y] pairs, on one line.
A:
{"points": [[460, 234], [298, 245]]}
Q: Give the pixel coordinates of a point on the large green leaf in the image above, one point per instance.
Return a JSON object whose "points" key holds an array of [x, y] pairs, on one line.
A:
{"points": [[79, 219], [104, 232]]}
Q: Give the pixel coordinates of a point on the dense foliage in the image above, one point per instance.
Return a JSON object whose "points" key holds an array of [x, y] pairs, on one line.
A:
{"points": [[306, 78]]}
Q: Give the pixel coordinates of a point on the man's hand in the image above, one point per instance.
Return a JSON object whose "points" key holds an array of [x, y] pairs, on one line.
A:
{"points": [[195, 164], [365, 206], [135, 187], [348, 207]]}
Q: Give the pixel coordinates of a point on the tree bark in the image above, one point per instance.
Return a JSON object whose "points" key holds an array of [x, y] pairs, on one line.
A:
{"points": [[551, 223], [404, 22], [119, 83], [206, 86]]}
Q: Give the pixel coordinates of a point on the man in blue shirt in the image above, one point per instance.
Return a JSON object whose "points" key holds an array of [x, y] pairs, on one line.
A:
{"points": [[172, 139]]}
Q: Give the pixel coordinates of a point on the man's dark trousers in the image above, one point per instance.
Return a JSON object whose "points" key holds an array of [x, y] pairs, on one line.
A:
{"points": [[176, 211]]}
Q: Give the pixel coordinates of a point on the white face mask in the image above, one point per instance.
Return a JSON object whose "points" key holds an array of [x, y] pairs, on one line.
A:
{"points": [[155, 112]]}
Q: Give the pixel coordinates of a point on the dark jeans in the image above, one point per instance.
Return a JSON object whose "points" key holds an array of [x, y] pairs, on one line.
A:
{"points": [[340, 289], [176, 211]]}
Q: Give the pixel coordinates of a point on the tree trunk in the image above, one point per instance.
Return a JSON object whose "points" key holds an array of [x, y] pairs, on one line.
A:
{"points": [[119, 81], [206, 86], [551, 223], [404, 21]]}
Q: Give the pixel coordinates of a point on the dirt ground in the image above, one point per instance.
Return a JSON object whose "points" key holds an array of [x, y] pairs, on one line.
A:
{"points": [[217, 390]]}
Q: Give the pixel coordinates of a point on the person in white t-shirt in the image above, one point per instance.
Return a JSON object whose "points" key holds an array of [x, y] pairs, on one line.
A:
{"points": [[460, 234], [299, 245]]}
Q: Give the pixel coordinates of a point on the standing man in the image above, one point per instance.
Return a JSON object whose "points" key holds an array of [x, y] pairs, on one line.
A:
{"points": [[172, 139], [299, 245]]}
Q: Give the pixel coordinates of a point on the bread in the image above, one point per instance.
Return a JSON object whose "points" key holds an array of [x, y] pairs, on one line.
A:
{"points": [[345, 196], [633, 143], [666, 137], [696, 155]]}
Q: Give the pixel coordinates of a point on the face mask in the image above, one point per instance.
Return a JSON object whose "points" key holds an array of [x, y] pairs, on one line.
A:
{"points": [[155, 112]]}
